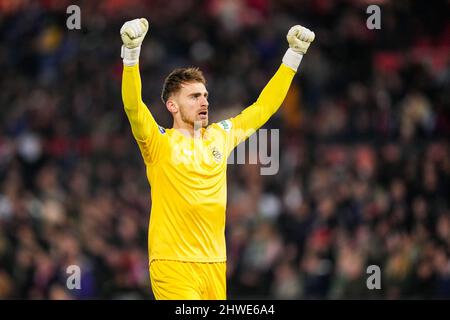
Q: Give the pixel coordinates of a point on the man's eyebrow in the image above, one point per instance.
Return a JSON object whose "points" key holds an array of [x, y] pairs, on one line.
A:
{"points": [[198, 93]]}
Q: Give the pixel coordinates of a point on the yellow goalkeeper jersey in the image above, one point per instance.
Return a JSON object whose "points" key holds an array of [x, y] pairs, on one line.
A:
{"points": [[187, 175]]}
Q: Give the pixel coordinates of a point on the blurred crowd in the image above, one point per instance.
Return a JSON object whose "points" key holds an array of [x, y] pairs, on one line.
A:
{"points": [[364, 154]]}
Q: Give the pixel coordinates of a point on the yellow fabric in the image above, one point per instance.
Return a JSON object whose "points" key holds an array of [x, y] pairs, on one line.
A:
{"points": [[188, 175], [177, 280]]}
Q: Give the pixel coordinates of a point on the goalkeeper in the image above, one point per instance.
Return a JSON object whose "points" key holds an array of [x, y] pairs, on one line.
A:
{"points": [[186, 236]]}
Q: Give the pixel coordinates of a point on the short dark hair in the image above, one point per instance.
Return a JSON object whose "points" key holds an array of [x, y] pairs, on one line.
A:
{"points": [[177, 77]]}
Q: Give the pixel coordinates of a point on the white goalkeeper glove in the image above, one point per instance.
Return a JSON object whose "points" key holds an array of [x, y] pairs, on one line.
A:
{"points": [[132, 33], [299, 39]]}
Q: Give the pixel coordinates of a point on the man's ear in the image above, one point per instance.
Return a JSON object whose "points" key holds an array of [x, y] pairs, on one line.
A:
{"points": [[171, 106]]}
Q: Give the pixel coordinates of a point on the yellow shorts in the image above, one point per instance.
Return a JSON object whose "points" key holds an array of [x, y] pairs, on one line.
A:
{"points": [[177, 280]]}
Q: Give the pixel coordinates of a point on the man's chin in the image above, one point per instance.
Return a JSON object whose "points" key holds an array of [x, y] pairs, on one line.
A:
{"points": [[201, 123]]}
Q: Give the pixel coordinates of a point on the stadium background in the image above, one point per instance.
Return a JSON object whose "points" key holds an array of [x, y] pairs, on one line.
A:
{"points": [[364, 166]]}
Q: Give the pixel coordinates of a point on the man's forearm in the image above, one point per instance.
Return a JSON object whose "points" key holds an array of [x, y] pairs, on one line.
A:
{"points": [[131, 87], [273, 94], [268, 102], [137, 112]]}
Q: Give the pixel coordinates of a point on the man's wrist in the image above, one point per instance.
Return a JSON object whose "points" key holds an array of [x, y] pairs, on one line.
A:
{"points": [[292, 59], [130, 56]]}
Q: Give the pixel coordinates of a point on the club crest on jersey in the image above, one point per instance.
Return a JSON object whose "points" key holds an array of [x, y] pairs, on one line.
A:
{"points": [[225, 124], [216, 154]]}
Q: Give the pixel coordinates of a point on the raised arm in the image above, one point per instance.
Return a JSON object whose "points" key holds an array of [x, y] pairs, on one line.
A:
{"points": [[143, 125], [273, 94], [138, 114]]}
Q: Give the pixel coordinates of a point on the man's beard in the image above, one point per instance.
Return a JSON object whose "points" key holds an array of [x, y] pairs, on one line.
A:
{"points": [[194, 123]]}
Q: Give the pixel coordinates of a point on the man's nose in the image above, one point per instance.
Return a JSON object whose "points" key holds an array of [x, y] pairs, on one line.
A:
{"points": [[204, 102]]}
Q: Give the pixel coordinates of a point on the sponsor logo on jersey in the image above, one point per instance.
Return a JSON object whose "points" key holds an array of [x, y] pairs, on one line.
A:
{"points": [[225, 124]]}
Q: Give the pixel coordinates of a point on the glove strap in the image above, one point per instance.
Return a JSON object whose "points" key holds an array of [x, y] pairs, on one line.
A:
{"points": [[130, 56], [292, 59]]}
